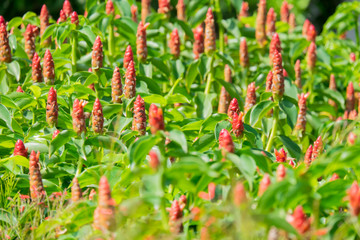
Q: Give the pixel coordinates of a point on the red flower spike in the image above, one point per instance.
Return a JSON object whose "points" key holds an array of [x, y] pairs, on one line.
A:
{"points": [[134, 13], [62, 17], [52, 108], [237, 124], [154, 162], [332, 86], [210, 34], [19, 89], [280, 172], [224, 97], [180, 7], [301, 119], [299, 220], [2, 20], [48, 70], [239, 194], [175, 218], [260, 23], [174, 44], [318, 148], [78, 116], [244, 11], [284, 12], [275, 44], [76, 193], [269, 79], [104, 215], [67, 8], [198, 46], [244, 54], [285, 73], [20, 149], [270, 22], [352, 57], [29, 38], [334, 177], [145, 9], [305, 27], [227, 74], [164, 7], [109, 7], [292, 22], [250, 99], [352, 115], [298, 74], [75, 18], [128, 56], [182, 202], [36, 74], [280, 155], [278, 76], [5, 51], [350, 97], [311, 33], [36, 185], [354, 198], [351, 138], [139, 121], [225, 142], [97, 117], [97, 55], [264, 184], [156, 119], [116, 86], [130, 81], [311, 56], [56, 132], [141, 46], [44, 23], [210, 194], [233, 108]]}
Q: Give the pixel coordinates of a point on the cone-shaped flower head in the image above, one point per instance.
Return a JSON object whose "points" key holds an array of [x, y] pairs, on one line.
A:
{"points": [[210, 34], [141, 46], [269, 79], [301, 119], [198, 47], [20, 149], [311, 56], [130, 81], [278, 76], [145, 9], [36, 184], [164, 7], [2, 20], [97, 55], [244, 11], [226, 143], [180, 7], [299, 220], [332, 86], [75, 18], [29, 38], [350, 97], [109, 7], [354, 198], [134, 13], [233, 108], [139, 121], [52, 108], [264, 184], [237, 124], [352, 114], [19, 89], [280, 172], [76, 193], [36, 74], [67, 8], [128, 56], [352, 57], [44, 23], [280, 155], [308, 155], [239, 194], [48, 68], [275, 44], [250, 99], [154, 162], [318, 149], [260, 23], [116, 86], [292, 22], [224, 98], [305, 27], [97, 117], [270, 22], [5, 51], [227, 74], [297, 73], [156, 119], [175, 218], [311, 33], [78, 116], [174, 43], [104, 215], [62, 17], [244, 54], [284, 12], [56, 132]]}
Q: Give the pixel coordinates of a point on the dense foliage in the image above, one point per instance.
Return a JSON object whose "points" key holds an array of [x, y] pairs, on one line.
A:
{"points": [[138, 123]]}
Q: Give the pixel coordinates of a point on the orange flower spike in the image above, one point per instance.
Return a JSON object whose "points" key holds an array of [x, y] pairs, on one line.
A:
{"points": [[180, 7], [141, 45], [174, 44], [284, 12], [264, 184], [5, 51], [130, 81], [164, 7], [145, 9], [128, 56], [175, 218], [244, 11], [62, 17], [198, 47], [36, 74], [298, 74], [226, 143], [97, 117], [116, 86], [244, 54], [156, 119], [36, 184], [305, 27], [250, 99], [311, 56], [260, 23], [49, 69], [52, 108], [75, 18], [210, 34], [300, 221], [311, 33], [280, 155], [318, 149], [139, 121], [154, 161], [275, 44], [20, 149], [182, 202], [278, 76], [239, 194], [301, 119], [78, 116], [29, 38], [238, 124], [292, 22], [109, 8], [268, 83], [233, 108], [76, 193], [133, 10], [97, 55], [354, 198], [270, 22], [44, 23], [67, 8]]}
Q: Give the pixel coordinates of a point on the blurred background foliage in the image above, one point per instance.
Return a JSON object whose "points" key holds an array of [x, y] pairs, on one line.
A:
{"points": [[317, 11]]}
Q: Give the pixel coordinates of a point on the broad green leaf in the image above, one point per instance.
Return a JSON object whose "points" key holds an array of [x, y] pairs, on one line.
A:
{"points": [[141, 147], [246, 164], [5, 116]]}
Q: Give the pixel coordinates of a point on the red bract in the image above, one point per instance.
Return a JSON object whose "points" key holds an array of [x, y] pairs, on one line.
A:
{"points": [[268, 83], [311, 33], [280, 172], [278, 76], [128, 56], [351, 138], [280, 155], [116, 86], [301, 119], [311, 56], [62, 17], [292, 22], [354, 198], [130, 81], [36, 74], [308, 155], [239, 194], [154, 160], [145, 9], [29, 38], [270, 22], [156, 119], [224, 97], [67, 8], [305, 27], [233, 108], [175, 218], [225, 142], [244, 11], [164, 7], [180, 7], [264, 184], [237, 124], [174, 44], [334, 177], [78, 116], [332, 86], [352, 57], [2, 20], [75, 18], [182, 202], [48, 68], [139, 121], [56, 132], [134, 13], [5, 51], [76, 193], [141, 46], [109, 8], [210, 194], [210, 34], [97, 117], [52, 108], [244, 55], [20, 149], [250, 99], [299, 220], [44, 23], [260, 23], [19, 89], [350, 97], [36, 184], [318, 148], [284, 12], [198, 47], [97, 55], [298, 74], [275, 44]]}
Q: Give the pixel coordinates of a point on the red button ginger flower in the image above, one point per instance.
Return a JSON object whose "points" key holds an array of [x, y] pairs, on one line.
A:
{"points": [[36, 184], [141, 46], [156, 119], [44, 23], [174, 44], [29, 39], [164, 7], [78, 116], [305, 27], [301, 119], [351, 138], [133, 11], [311, 33], [76, 193], [280, 155], [311, 56], [308, 155], [297, 74], [268, 83], [244, 54], [278, 76], [62, 17], [264, 184], [280, 172], [175, 218], [224, 97], [48, 68], [5, 51], [36, 74], [128, 56], [237, 124], [244, 11], [180, 7], [182, 202], [116, 86], [97, 55], [67, 8], [260, 23], [154, 161], [130, 81], [239, 194], [233, 108], [20, 149], [318, 149], [334, 177], [250, 99], [299, 220], [225, 142], [139, 121], [275, 44], [198, 47], [292, 22], [109, 8], [270, 22], [210, 34], [284, 12], [97, 117], [52, 108]]}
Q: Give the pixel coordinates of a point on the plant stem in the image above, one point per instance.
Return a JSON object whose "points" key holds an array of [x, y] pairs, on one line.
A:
{"points": [[221, 28], [79, 168], [209, 76], [73, 52], [274, 128], [357, 30], [111, 42]]}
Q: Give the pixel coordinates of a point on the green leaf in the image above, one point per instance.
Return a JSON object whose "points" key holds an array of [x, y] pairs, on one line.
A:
{"points": [[219, 126], [204, 107], [246, 164], [14, 69], [191, 73], [36, 90], [159, 64], [291, 147], [290, 110], [179, 137], [141, 147], [5, 116], [154, 98], [259, 111], [61, 139], [231, 26]]}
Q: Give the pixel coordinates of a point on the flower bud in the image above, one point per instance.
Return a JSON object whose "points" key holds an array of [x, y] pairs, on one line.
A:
{"points": [[36, 184], [198, 46], [352, 57], [270, 22], [145, 9], [239, 194], [305, 27], [284, 12], [109, 8], [76, 193], [97, 55], [62, 17], [97, 117], [175, 218], [250, 99], [301, 119], [36, 69], [44, 23], [174, 44], [75, 18], [354, 198], [52, 108], [332, 86], [210, 34], [264, 184], [280, 172], [334, 177], [237, 124], [318, 148], [19, 89], [275, 44], [180, 7], [299, 220], [311, 33], [139, 121], [20, 149], [280, 155], [351, 138], [298, 74], [260, 23], [56, 132], [156, 119], [225, 142], [278, 76], [134, 13], [224, 98], [244, 11], [350, 97], [67, 8], [244, 54], [154, 161], [5, 51], [2, 20], [29, 38], [116, 86], [233, 108], [48, 70], [292, 22], [128, 56], [130, 81], [78, 116], [311, 56], [141, 45]]}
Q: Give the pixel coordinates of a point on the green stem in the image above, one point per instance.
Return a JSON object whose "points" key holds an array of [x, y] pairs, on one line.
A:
{"points": [[79, 168], [357, 30], [164, 217], [73, 52], [221, 28], [111, 43], [274, 129], [209, 76]]}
